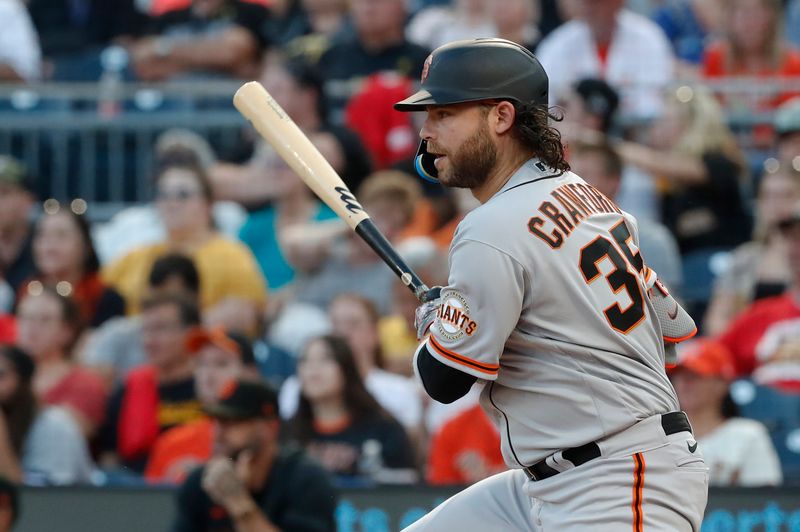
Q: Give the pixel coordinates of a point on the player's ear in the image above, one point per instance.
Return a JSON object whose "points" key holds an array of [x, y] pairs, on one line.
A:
{"points": [[503, 117]]}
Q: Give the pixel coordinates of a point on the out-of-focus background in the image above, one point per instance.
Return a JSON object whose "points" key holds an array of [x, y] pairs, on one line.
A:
{"points": [[152, 248]]}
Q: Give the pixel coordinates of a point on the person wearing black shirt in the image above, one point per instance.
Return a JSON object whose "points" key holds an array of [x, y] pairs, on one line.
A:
{"points": [[378, 45], [158, 395], [338, 421], [219, 37], [253, 483]]}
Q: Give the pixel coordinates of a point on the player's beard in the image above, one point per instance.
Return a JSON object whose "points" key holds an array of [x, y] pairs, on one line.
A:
{"points": [[472, 162]]}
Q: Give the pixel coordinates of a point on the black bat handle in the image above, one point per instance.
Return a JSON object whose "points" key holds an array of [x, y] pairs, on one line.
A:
{"points": [[367, 230]]}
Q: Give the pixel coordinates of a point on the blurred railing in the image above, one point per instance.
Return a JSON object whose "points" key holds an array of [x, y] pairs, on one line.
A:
{"points": [[96, 140]]}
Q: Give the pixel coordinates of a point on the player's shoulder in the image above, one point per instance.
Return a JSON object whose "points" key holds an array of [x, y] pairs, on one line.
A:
{"points": [[636, 25]]}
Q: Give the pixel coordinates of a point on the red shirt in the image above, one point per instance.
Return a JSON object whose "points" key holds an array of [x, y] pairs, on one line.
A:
{"points": [[83, 391], [466, 449], [764, 341]]}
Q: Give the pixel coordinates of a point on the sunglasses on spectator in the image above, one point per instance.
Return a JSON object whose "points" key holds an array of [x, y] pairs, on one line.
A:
{"points": [[179, 194]]}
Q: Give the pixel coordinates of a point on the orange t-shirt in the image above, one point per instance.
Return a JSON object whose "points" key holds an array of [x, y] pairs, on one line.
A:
{"points": [[465, 450], [179, 450], [715, 66]]}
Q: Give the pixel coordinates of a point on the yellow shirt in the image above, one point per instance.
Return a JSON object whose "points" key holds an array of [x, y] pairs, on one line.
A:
{"points": [[227, 269]]}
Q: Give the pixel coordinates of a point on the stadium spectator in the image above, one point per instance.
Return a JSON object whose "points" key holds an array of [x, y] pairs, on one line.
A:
{"points": [[48, 325], [787, 127], [65, 259], [763, 337], [436, 25], [38, 445], [694, 156], [390, 196], [337, 420], [254, 482], [756, 269], [737, 451], [16, 231], [268, 230], [590, 106], [601, 167], [793, 22], [184, 199], [158, 395], [116, 346], [753, 46], [304, 26], [356, 319], [516, 21], [220, 356], [378, 44], [690, 25], [20, 56], [72, 32], [465, 450], [9, 505], [297, 88], [606, 41], [207, 38]]}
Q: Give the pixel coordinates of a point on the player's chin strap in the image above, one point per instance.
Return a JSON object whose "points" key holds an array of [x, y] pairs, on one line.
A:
{"points": [[423, 163]]}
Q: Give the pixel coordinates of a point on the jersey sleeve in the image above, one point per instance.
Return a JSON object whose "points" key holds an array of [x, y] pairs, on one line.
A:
{"points": [[480, 307]]}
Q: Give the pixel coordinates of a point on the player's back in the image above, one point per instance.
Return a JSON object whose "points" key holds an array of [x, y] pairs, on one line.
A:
{"points": [[585, 358]]}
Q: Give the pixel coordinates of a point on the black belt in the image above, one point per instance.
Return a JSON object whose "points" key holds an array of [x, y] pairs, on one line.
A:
{"points": [[673, 423]]}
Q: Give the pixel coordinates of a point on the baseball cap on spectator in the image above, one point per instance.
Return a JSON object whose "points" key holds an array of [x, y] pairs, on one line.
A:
{"points": [[599, 98], [787, 117], [706, 358], [245, 399], [231, 342], [13, 172]]}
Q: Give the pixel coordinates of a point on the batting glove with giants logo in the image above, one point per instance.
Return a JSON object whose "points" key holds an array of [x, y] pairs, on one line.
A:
{"points": [[425, 314]]}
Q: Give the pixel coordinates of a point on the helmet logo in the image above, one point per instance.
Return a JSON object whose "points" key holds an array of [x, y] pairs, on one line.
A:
{"points": [[426, 67]]}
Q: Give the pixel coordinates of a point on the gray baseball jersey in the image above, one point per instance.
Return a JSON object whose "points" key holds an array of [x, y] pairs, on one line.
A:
{"points": [[547, 300]]}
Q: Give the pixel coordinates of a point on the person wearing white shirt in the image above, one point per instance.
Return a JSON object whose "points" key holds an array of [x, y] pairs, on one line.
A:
{"points": [[605, 41], [20, 55], [738, 451]]}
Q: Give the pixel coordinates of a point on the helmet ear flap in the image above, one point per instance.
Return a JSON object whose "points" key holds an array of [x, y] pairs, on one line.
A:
{"points": [[423, 163]]}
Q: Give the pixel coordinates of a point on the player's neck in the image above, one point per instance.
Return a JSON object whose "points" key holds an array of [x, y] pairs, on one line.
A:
{"points": [[497, 179]]}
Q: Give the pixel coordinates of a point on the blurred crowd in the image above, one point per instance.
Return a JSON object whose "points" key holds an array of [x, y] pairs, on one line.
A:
{"points": [[236, 316]]}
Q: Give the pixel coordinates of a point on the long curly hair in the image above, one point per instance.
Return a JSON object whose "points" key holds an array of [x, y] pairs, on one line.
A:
{"points": [[533, 129]]}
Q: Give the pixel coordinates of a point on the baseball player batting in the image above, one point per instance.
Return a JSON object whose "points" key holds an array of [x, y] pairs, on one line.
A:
{"points": [[550, 303]]}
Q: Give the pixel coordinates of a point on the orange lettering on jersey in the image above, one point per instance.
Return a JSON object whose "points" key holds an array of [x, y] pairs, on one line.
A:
{"points": [[590, 207], [552, 212], [554, 239], [608, 205], [571, 209], [598, 206], [569, 193], [471, 328]]}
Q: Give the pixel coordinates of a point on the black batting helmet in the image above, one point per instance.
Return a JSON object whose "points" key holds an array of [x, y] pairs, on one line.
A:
{"points": [[479, 69], [474, 70]]}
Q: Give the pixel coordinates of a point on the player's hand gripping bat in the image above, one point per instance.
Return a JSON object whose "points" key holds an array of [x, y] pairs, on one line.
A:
{"points": [[272, 122]]}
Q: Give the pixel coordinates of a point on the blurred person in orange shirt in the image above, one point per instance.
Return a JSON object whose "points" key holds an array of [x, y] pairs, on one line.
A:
{"points": [[465, 450], [220, 356], [754, 47]]}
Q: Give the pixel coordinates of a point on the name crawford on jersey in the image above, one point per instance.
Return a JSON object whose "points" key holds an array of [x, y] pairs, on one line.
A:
{"points": [[578, 201]]}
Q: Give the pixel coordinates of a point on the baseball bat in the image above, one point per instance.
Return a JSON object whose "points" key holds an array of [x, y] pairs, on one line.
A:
{"points": [[272, 123]]}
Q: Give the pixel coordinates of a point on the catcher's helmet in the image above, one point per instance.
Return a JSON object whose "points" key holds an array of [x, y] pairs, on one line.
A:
{"points": [[473, 70]]}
